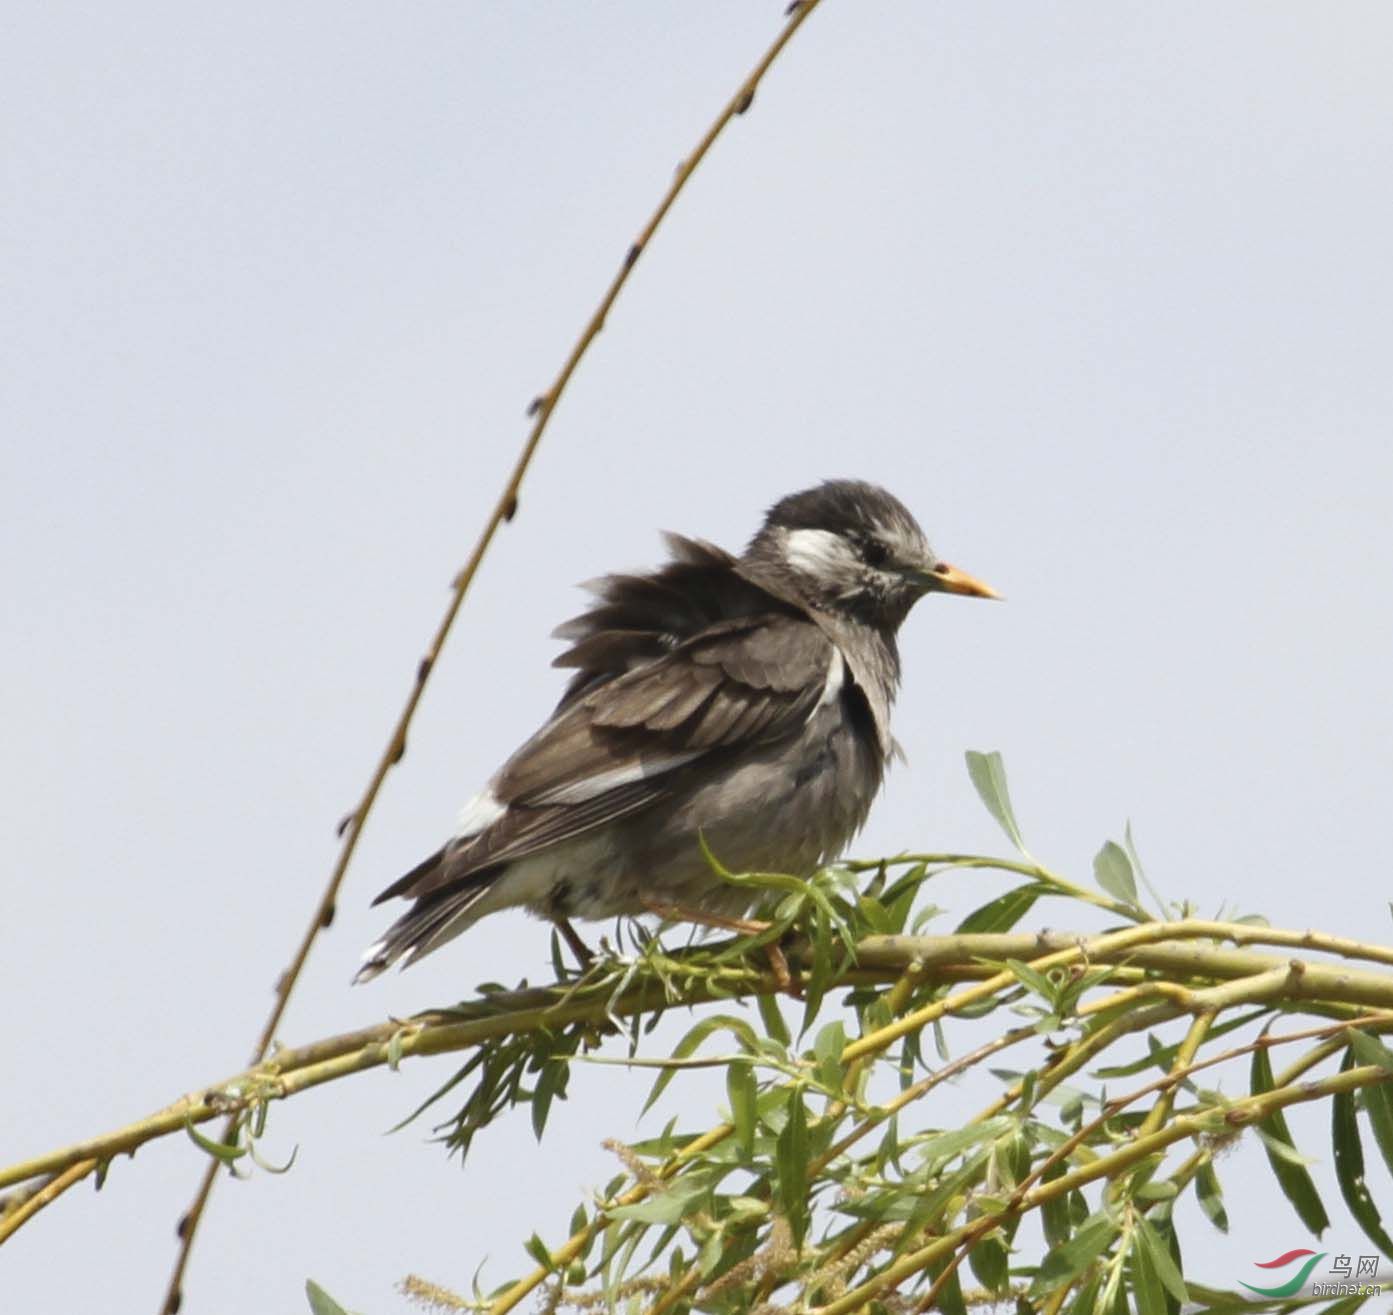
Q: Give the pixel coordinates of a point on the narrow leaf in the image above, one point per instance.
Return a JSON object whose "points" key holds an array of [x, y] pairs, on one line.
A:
{"points": [[950, 1297], [740, 1091], [1002, 913], [1054, 1214], [772, 1018], [1211, 1196], [687, 1046], [1378, 1105], [218, 1150], [1113, 872], [827, 1049], [1158, 1253], [1370, 1050], [1293, 1179], [1032, 979], [537, 1249], [274, 1168], [321, 1303], [1130, 846], [1064, 1264], [988, 775], [1085, 1301], [947, 1145], [1349, 1164], [1147, 1290], [991, 1264], [1283, 1150], [666, 1209], [550, 1078], [791, 1158], [668, 1205]]}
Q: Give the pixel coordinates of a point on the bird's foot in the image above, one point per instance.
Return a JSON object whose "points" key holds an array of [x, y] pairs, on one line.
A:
{"points": [[585, 956]]}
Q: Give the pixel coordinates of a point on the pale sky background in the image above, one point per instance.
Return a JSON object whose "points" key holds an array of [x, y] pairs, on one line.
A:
{"points": [[1101, 290]]}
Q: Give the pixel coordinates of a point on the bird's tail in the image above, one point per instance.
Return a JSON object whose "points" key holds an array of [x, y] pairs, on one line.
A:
{"points": [[429, 923]]}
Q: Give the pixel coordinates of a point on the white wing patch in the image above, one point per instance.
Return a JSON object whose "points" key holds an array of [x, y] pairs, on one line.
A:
{"points": [[478, 815], [577, 792], [832, 686]]}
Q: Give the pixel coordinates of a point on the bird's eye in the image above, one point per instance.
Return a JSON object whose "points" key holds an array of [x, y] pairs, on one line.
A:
{"points": [[874, 552]]}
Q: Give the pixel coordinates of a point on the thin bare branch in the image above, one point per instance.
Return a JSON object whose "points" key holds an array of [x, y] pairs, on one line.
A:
{"points": [[541, 409]]}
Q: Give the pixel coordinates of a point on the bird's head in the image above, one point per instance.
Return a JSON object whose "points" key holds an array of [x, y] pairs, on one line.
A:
{"points": [[852, 548]]}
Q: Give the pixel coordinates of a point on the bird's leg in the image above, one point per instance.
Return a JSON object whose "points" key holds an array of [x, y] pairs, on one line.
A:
{"points": [[745, 926], [585, 956]]}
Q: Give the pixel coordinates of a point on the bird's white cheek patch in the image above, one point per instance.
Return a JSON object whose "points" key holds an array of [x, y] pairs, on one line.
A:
{"points": [[478, 814], [815, 552]]}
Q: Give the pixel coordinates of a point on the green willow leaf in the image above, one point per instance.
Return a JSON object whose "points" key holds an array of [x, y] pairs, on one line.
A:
{"points": [[988, 775], [791, 1160], [1370, 1050], [667, 1206], [1349, 1163], [1147, 1289], [947, 1145], [321, 1303], [1178, 1261], [1295, 1182], [991, 1264], [771, 1016], [276, 1169], [1283, 1150], [950, 1298], [827, 1050], [1158, 1253], [1054, 1214], [742, 1094], [1064, 1264], [550, 1080], [1112, 869], [218, 1150], [1378, 1105], [820, 974], [1211, 1197], [538, 1250], [686, 1047], [1002, 913], [1085, 1301], [1135, 859], [1032, 979], [1162, 1058]]}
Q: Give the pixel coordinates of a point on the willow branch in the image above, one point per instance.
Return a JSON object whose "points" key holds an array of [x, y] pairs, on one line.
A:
{"points": [[30, 1203], [1145, 946], [695, 977], [541, 409]]}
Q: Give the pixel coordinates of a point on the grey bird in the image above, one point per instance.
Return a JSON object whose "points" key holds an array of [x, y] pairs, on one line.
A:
{"points": [[743, 701]]}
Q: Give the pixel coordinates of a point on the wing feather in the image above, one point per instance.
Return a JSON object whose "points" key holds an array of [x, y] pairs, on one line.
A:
{"points": [[630, 741], [637, 619]]}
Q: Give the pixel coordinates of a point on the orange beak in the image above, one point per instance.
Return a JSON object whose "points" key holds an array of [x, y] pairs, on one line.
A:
{"points": [[946, 579]]}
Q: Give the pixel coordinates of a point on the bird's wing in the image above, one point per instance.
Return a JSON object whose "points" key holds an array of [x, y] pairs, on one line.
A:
{"points": [[636, 619], [619, 747]]}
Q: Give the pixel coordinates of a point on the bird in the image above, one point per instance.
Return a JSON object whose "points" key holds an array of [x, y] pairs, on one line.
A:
{"points": [[735, 707]]}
